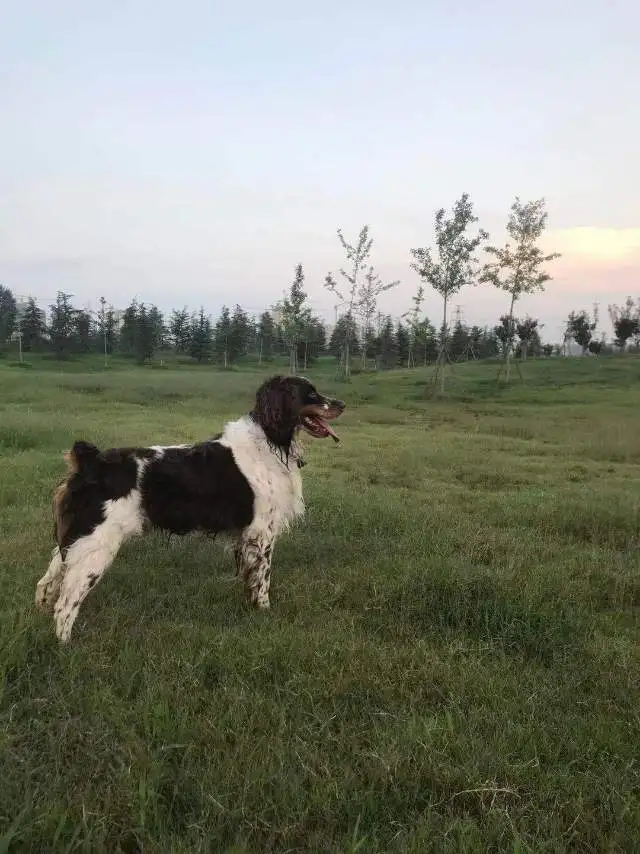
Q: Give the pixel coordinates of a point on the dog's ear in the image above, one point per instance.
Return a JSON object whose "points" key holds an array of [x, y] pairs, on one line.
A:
{"points": [[276, 410]]}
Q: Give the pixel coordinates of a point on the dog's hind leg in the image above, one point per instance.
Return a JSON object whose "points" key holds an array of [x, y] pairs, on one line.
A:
{"points": [[48, 587]]}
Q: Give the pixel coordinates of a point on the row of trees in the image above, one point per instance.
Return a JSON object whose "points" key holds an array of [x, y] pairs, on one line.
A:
{"points": [[291, 331]]}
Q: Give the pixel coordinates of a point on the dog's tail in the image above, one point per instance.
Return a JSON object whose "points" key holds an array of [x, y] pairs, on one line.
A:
{"points": [[83, 458]]}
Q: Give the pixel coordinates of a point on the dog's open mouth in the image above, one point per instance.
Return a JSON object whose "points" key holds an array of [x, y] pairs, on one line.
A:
{"points": [[315, 421]]}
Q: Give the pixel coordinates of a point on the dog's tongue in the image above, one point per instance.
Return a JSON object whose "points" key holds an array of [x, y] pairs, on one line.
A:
{"points": [[330, 431]]}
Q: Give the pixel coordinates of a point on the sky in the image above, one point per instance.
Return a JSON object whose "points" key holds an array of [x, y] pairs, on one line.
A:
{"points": [[193, 153]]}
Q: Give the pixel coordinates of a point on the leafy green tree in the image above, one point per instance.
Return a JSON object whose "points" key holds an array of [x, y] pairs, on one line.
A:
{"points": [[295, 318], [529, 335], [453, 264], [580, 328], [517, 267], [625, 321]]}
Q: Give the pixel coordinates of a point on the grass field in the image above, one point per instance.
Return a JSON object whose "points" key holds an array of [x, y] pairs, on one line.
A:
{"points": [[452, 658]]}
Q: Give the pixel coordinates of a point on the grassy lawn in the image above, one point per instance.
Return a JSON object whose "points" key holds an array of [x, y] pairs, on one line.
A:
{"points": [[452, 658]]}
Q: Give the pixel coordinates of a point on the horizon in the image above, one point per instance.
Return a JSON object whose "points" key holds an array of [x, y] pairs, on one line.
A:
{"points": [[205, 152]]}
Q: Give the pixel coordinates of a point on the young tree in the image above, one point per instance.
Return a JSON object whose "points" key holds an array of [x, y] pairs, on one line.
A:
{"points": [[518, 268], [200, 337], [295, 317], [413, 318], [62, 326], [580, 328], [459, 340], [344, 337], [363, 287], [367, 304], [402, 343], [180, 328], [527, 331], [266, 336], [32, 327], [625, 321], [8, 313], [453, 266], [505, 333]]}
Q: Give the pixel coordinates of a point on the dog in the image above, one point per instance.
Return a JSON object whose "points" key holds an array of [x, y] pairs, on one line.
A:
{"points": [[244, 482]]}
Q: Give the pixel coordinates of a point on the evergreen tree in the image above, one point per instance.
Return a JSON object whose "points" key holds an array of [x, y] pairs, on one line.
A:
{"points": [[145, 334], [180, 329], [8, 312], [387, 345], [82, 332], [295, 318], [221, 337], [459, 340], [266, 337], [32, 327], [159, 333], [200, 337], [344, 335], [239, 336], [62, 325], [402, 344], [129, 330], [105, 329]]}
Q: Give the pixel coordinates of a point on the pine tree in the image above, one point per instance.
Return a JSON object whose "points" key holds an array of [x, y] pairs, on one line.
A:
{"points": [[129, 330], [32, 327], [8, 314], [62, 325], [82, 332], [200, 337], [266, 337], [180, 329], [221, 336]]}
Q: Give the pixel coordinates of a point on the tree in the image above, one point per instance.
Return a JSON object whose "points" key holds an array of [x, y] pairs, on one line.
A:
{"points": [[453, 266], [295, 317], [82, 332], [518, 268], [363, 287], [625, 321], [580, 328], [344, 338], [413, 318], [32, 326], [105, 329], [527, 331], [200, 337], [387, 345], [221, 336], [266, 337], [239, 335], [505, 333], [402, 344], [145, 333], [459, 340], [129, 330], [62, 325], [180, 329], [8, 314], [158, 331]]}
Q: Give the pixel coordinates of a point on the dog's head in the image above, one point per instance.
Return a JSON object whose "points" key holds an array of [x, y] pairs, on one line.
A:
{"points": [[286, 404]]}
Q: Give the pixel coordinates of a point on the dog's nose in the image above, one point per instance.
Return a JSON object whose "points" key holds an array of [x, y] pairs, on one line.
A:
{"points": [[340, 404]]}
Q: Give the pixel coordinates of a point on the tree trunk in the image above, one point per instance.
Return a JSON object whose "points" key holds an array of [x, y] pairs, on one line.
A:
{"points": [[443, 346], [509, 340]]}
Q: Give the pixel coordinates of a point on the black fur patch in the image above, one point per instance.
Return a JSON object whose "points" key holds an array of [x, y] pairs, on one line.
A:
{"points": [[199, 488]]}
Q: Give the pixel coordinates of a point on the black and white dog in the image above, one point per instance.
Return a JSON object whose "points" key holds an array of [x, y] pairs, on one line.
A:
{"points": [[245, 482]]}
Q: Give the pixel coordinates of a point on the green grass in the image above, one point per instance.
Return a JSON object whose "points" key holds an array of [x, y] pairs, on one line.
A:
{"points": [[452, 658]]}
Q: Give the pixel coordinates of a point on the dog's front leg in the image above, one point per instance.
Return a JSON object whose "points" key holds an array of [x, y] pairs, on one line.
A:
{"points": [[253, 558]]}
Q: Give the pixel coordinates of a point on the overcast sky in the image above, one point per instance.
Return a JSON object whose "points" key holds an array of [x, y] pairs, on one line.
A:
{"points": [[193, 152]]}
